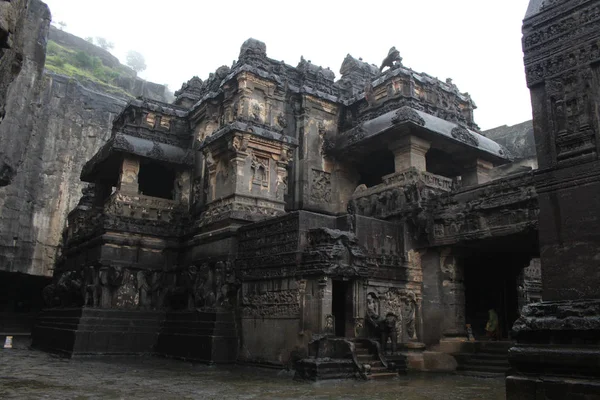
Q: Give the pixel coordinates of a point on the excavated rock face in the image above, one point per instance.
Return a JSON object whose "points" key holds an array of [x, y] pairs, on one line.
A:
{"points": [[23, 31], [50, 126], [73, 123]]}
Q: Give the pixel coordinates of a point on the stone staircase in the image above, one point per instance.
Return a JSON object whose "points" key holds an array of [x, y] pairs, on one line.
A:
{"points": [[366, 354], [487, 359]]}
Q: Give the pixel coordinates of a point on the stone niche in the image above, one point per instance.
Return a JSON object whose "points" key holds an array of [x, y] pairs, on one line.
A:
{"points": [[246, 177]]}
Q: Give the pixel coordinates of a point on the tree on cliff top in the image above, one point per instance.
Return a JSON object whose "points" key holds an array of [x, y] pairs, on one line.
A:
{"points": [[104, 44], [136, 61]]}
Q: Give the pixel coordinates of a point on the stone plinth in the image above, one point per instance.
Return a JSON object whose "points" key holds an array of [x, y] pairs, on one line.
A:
{"points": [[85, 331]]}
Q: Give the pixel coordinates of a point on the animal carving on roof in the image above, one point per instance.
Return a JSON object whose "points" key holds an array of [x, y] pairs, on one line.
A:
{"points": [[393, 58]]}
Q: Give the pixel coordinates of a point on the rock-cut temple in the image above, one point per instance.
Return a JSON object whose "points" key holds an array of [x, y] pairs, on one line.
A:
{"points": [[274, 215]]}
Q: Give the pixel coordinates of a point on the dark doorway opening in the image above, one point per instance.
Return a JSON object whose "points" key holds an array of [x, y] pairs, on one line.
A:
{"points": [[376, 165], [491, 283], [156, 180], [340, 306]]}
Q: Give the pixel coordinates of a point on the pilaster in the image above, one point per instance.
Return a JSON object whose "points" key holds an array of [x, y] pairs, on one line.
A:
{"points": [[410, 151], [128, 180], [476, 172]]}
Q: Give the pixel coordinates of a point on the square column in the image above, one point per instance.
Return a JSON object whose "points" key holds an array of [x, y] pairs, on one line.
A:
{"points": [[128, 181], [476, 172], [410, 151]]}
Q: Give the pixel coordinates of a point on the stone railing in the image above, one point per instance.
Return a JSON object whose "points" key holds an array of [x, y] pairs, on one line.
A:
{"points": [[397, 192], [142, 207]]}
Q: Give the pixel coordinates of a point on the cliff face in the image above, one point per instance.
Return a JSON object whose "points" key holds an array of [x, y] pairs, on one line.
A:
{"points": [[55, 124], [23, 31]]}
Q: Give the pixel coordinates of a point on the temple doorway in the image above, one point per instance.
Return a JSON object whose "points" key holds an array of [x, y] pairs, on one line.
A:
{"points": [[341, 306], [491, 283]]}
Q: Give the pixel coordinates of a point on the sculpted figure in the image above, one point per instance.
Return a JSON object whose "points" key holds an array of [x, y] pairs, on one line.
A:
{"points": [[126, 289], [373, 320], [91, 287], [329, 325], [410, 305], [389, 331], [50, 297], [68, 289], [392, 59], [157, 292], [189, 282], [144, 288], [110, 278]]}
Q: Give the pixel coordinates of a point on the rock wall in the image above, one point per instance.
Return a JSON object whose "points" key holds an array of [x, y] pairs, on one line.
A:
{"points": [[53, 125], [518, 140], [70, 126], [23, 32]]}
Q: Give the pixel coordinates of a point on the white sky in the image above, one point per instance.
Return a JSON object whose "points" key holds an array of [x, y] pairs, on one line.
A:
{"points": [[475, 42]]}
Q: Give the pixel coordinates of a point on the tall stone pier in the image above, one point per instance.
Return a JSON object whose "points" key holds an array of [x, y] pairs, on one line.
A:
{"points": [[557, 355]]}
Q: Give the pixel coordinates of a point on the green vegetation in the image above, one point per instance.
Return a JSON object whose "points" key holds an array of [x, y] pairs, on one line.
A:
{"points": [[83, 67]]}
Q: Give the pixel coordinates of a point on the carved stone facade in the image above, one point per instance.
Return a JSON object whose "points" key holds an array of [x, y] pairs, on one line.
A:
{"points": [[287, 207], [558, 338]]}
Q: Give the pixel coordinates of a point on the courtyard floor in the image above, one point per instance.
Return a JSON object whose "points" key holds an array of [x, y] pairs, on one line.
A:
{"points": [[30, 374]]}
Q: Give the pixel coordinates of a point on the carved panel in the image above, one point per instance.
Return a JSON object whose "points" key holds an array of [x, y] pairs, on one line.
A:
{"points": [[272, 304], [320, 191]]}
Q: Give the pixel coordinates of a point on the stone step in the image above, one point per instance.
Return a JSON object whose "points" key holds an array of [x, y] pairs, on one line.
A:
{"points": [[365, 358], [382, 375], [485, 361], [379, 369], [490, 356], [484, 368], [477, 374]]}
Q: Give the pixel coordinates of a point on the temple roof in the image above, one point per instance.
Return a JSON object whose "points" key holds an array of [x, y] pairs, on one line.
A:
{"points": [[126, 144], [425, 125]]}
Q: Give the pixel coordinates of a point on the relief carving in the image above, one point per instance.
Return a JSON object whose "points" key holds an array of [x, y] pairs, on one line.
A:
{"points": [[283, 303], [464, 136], [321, 187]]}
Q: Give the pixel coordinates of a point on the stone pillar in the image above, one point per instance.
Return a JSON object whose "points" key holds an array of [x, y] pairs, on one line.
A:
{"points": [[324, 297], [476, 172], [183, 187], [128, 181], [410, 151], [453, 300], [558, 340]]}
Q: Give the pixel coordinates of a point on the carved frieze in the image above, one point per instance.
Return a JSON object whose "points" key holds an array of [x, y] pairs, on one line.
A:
{"points": [[271, 304]]}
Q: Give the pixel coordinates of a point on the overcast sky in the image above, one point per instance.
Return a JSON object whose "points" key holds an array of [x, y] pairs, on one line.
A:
{"points": [[475, 42]]}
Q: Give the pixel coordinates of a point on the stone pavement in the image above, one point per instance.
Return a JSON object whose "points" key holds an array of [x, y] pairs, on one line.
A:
{"points": [[30, 374]]}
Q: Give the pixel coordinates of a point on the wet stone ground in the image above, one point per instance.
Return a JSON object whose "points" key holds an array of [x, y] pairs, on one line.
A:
{"points": [[30, 374]]}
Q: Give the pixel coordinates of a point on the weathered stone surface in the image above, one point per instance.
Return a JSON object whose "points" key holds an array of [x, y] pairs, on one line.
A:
{"points": [[256, 214], [557, 352], [23, 31], [60, 124]]}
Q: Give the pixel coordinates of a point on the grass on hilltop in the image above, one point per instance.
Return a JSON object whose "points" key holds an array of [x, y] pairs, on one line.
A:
{"points": [[83, 67]]}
